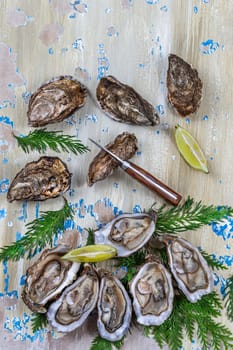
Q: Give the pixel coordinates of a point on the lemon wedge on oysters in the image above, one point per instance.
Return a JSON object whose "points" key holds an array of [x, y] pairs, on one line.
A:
{"points": [[91, 253], [190, 149]]}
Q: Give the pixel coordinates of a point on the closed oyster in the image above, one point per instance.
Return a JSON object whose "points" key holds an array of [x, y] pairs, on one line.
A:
{"points": [[55, 100], [183, 85], [46, 178], [127, 232], [124, 146], [123, 104], [152, 293], [76, 302], [114, 308], [188, 267], [47, 277]]}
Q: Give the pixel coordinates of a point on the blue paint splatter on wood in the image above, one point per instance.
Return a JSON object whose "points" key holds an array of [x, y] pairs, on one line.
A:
{"points": [[103, 62], [209, 47], [78, 44], [6, 120], [164, 8], [152, 2], [51, 51], [3, 213], [224, 229], [4, 184], [160, 109]]}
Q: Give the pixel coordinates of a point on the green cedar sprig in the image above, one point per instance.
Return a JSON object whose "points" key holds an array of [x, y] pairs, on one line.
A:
{"points": [[229, 298], [90, 236], [99, 343], [38, 321], [40, 232], [188, 317], [41, 139], [189, 216]]}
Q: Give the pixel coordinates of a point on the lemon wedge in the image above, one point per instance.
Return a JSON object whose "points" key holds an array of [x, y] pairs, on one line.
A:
{"points": [[190, 149], [91, 253]]}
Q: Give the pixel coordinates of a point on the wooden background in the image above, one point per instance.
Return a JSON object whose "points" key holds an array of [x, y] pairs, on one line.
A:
{"points": [[130, 39]]}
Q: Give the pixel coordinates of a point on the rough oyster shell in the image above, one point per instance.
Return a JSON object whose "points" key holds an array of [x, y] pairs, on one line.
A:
{"points": [[55, 100], [183, 85], [127, 232], [188, 267], [124, 146], [76, 302], [152, 293], [46, 178], [123, 104], [114, 308], [47, 277]]}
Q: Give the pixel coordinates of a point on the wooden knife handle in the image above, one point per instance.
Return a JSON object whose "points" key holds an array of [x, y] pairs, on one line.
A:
{"points": [[152, 183]]}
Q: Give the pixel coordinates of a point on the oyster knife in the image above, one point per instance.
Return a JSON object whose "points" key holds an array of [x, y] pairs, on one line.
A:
{"points": [[144, 177]]}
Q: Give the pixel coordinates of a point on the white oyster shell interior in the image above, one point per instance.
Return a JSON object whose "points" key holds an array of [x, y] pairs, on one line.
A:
{"points": [[189, 268], [114, 309], [76, 302], [152, 293], [127, 232]]}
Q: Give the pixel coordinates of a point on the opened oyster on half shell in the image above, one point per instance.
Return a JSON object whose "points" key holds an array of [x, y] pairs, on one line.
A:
{"points": [[102, 166], [123, 104], [188, 267], [183, 85], [127, 232], [43, 179], [114, 308], [47, 278], [55, 100], [76, 302], [152, 293]]}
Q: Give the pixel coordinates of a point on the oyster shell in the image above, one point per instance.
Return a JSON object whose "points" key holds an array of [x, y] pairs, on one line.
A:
{"points": [[183, 85], [124, 146], [123, 104], [127, 232], [152, 293], [55, 100], [188, 267], [76, 302], [46, 178], [114, 308], [47, 277]]}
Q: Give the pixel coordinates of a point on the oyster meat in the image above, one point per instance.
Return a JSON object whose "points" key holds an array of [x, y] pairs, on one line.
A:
{"points": [[46, 178], [124, 146], [47, 277], [123, 104], [55, 100], [152, 293], [188, 267], [127, 232], [114, 308], [76, 302], [183, 85]]}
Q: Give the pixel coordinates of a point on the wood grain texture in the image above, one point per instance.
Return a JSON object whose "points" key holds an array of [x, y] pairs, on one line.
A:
{"points": [[130, 40]]}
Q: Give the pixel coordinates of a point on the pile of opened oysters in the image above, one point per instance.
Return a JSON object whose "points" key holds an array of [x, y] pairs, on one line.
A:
{"points": [[69, 292]]}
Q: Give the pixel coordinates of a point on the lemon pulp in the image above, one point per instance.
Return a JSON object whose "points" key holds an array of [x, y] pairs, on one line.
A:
{"points": [[91, 253], [190, 149]]}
